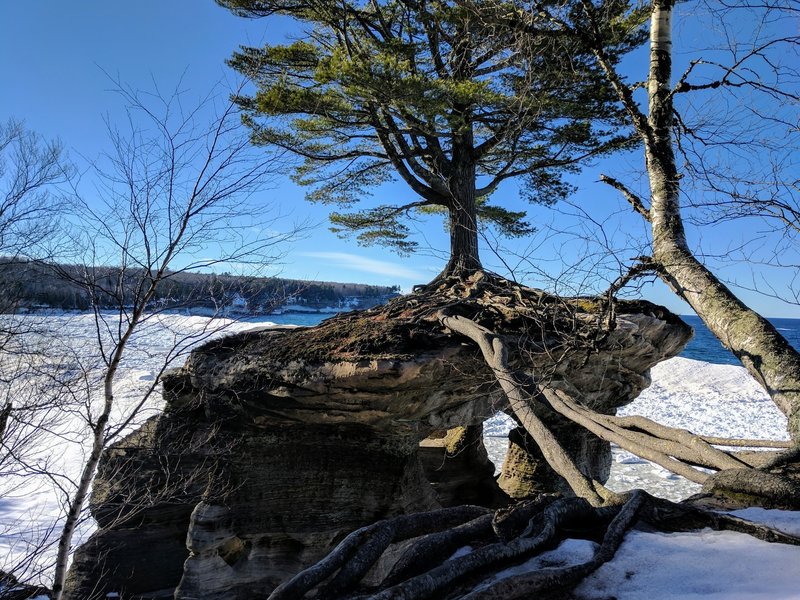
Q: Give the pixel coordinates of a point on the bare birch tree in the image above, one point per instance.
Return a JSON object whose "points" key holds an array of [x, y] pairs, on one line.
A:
{"points": [[32, 171], [28, 168], [752, 338]]}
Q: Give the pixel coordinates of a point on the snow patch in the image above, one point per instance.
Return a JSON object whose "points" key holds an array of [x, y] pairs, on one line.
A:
{"points": [[708, 565]]}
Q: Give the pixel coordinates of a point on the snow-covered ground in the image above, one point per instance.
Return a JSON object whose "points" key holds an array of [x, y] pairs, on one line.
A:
{"points": [[709, 399], [705, 398], [705, 565]]}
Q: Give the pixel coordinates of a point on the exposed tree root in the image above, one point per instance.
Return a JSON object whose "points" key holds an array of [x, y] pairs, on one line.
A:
{"points": [[754, 486], [677, 450], [495, 353], [359, 551], [437, 547], [668, 516], [674, 457], [537, 537], [739, 442], [469, 576], [551, 579]]}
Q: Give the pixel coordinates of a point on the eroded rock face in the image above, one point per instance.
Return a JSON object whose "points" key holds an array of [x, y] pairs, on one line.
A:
{"points": [[142, 499], [292, 438], [294, 491], [458, 468]]}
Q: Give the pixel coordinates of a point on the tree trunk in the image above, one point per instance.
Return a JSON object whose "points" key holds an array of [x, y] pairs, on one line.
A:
{"points": [[99, 441], [463, 220], [76, 508], [464, 258], [763, 351], [752, 339]]}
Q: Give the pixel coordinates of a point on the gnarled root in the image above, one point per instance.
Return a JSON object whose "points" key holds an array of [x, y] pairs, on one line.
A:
{"points": [[540, 580], [359, 551], [677, 450], [428, 569], [754, 487]]}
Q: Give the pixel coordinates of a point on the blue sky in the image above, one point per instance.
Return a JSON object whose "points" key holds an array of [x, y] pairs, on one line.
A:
{"points": [[54, 55]]}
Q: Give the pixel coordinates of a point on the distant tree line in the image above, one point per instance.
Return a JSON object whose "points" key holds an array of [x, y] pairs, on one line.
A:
{"points": [[32, 285]]}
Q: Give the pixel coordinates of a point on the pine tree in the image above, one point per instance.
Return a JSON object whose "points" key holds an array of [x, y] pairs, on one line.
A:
{"points": [[454, 98]]}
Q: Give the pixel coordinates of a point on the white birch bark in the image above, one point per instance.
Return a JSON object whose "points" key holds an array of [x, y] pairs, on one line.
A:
{"points": [[762, 350]]}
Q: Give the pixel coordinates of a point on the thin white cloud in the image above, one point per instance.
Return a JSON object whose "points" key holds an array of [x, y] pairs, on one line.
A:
{"points": [[369, 265]]}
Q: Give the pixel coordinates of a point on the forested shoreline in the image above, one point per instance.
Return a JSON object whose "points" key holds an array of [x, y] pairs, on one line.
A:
{"points": [[32, 286]]}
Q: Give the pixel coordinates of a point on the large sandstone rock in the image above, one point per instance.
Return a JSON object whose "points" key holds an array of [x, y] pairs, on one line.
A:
{"points": [[285, 440]]}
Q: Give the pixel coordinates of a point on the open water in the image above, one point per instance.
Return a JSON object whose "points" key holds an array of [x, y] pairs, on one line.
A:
{"points": [[304, 319], [704, 346]]}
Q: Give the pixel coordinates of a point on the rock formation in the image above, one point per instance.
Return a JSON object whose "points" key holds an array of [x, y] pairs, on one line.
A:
{"points": [[458, 468], [274, 444]]}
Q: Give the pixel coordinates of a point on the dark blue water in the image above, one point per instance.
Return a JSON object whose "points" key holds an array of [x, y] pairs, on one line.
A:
{"points": [[704, 346]]}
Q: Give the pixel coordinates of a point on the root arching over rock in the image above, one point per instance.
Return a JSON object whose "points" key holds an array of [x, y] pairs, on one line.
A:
{"points": [[677, 450]]}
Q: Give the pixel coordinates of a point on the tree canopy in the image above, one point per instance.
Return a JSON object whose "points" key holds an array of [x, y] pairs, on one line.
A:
{"points": [[454, 98]]}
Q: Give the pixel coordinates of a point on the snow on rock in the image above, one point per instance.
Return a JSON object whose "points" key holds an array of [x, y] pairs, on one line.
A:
{"points": [[708, 564]]}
